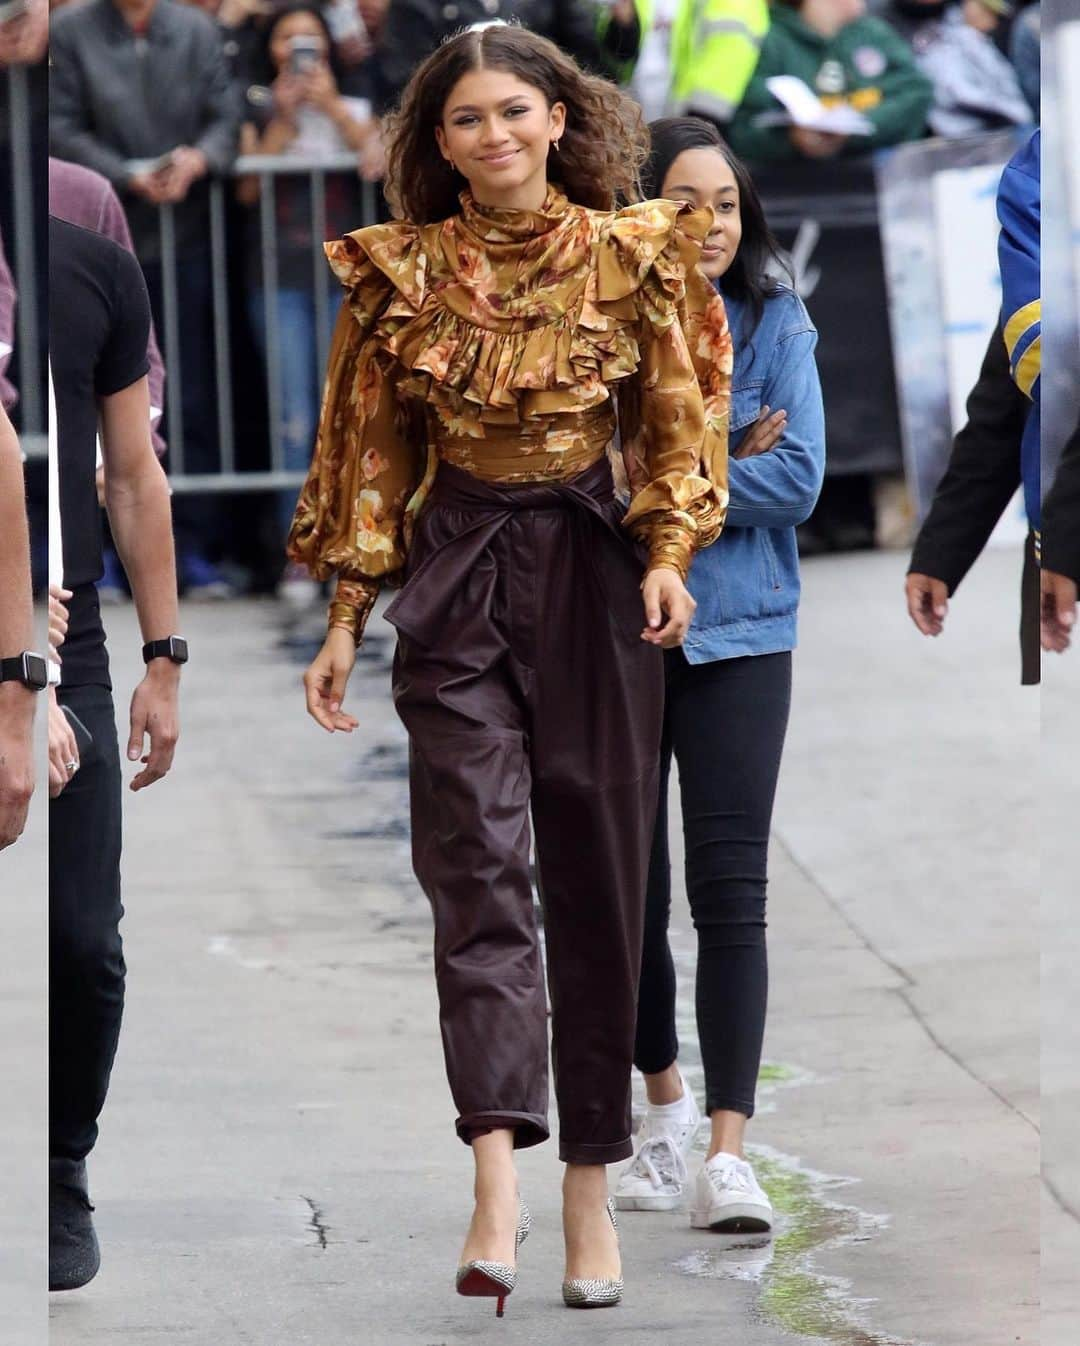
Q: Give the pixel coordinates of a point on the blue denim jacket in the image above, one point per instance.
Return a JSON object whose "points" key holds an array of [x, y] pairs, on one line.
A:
{"points": [[747, 583]]}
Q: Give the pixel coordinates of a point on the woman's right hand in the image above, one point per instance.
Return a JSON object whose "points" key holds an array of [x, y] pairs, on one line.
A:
{"points": [[326, 679], [288, 91]]}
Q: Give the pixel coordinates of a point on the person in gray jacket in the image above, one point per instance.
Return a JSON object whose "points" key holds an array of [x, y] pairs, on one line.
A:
{"points": [[975, 85], [140, 92]]}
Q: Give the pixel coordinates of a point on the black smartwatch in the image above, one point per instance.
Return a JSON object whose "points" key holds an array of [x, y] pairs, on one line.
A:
{"points": [[28, 668], [174, 648]]}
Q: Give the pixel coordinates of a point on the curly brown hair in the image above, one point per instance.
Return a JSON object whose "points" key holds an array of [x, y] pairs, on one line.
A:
{"points": [[600, 154]]}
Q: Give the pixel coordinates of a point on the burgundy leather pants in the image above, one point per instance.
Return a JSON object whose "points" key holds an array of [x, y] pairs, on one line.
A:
{"points": [[523, 682]]}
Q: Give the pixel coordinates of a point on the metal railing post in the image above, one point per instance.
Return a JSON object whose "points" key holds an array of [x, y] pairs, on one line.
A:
{"points": [[322, 271], [173, 365], [267, 169], [268, 231], [221, 326]]}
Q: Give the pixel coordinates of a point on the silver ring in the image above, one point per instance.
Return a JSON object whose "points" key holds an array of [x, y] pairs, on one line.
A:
{"points": [[72, 766]]}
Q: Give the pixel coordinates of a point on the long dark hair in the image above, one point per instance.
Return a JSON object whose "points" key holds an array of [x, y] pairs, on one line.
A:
{"points": [[748, 278], [601, 151], [263, 68]]}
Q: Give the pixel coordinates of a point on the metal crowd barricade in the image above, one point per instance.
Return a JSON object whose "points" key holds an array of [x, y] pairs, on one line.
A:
{"points": [[268, 169], [33, 435]]}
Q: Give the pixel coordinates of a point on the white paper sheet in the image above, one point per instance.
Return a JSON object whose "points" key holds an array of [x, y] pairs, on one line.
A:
{"points": [[806, 109]]}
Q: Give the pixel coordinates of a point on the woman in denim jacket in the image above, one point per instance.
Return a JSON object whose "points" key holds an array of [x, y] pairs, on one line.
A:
{"points": [[728, 695]]}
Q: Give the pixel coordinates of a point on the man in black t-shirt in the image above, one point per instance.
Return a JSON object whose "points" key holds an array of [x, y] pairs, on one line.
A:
{"points": [[99, 323], [16, 632]]}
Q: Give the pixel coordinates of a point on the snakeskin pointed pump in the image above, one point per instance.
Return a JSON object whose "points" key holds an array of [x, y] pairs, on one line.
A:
{"points": [[494, 1279], [594, 1292]]}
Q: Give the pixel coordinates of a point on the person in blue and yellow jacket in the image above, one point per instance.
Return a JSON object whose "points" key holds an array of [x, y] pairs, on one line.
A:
{"points": [[1021, 309]]}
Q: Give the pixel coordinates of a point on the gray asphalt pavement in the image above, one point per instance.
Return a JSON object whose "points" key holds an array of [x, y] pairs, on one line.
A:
{"points": [[23, 1310], [1060, 1002], [277, 1164]]}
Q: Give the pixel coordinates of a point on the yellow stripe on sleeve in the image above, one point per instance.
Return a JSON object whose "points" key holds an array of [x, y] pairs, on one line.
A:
{"points": [[1019, 323], [1029, 367]]}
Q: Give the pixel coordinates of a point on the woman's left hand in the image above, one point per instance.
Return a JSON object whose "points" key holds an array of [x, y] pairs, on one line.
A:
{"points": [[63, 749], [666, 595]]}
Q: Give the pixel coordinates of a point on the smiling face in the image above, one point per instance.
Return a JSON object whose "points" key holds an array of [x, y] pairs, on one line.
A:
{"points": [[497, 131], [704, 177]]}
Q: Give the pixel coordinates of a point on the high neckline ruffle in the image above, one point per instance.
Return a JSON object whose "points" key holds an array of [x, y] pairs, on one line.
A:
{"points": [[503, 224]]}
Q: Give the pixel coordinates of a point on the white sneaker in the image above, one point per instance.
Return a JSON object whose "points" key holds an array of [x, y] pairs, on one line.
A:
{"points": [[728, 1198], [656, 1178]]}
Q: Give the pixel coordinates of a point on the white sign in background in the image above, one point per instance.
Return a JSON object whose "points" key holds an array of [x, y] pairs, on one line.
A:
{"points": [[965, 210], [969, 274], [1069, 65]]}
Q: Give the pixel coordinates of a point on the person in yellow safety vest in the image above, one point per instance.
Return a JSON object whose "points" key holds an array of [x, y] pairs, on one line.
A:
{"points": [[696, 55], [714, 51]]}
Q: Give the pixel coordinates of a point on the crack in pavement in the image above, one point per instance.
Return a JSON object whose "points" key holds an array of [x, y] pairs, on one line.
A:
{"points": [[1062, 1204], [902, 992], [316, 1224], [864, 939], [921, 1020]]}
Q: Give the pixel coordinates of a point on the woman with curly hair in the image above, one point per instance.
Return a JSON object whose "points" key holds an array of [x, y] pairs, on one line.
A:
{"points": [[463, 448]]}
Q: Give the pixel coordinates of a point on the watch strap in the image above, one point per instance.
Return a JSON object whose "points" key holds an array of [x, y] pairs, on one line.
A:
{"points": [[29, 668], [172, 647]]}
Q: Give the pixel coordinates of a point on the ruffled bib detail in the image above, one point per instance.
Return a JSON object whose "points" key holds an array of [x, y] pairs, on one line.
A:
{"points": [[536, 320], [495, 339]]}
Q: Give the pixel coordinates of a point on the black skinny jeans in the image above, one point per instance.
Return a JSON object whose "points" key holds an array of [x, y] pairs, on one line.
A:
{"points": [[86, 958], [725, 722]]}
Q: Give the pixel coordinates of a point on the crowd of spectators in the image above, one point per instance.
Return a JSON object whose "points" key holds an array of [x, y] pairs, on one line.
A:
{"points": [[158, 95]]}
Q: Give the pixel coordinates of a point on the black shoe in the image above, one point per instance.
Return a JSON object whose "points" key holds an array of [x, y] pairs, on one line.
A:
{"points": [[74, 1255]]}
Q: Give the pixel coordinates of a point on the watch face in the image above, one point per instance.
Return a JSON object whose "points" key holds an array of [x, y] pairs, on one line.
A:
{"points": [[178, 650], [35, 671]]}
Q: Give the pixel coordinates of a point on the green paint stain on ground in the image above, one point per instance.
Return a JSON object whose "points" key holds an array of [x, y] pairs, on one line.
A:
{"points": [[793, 1295], [773, 1072]]}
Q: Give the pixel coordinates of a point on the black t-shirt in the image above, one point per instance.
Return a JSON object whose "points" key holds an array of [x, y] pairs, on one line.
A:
{"points": [[99, 326]]}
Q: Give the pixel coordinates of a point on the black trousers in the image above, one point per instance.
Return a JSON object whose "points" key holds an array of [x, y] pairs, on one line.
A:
{"points": [[86, 959], [523, 681], [1030, 604], [725, 722]]}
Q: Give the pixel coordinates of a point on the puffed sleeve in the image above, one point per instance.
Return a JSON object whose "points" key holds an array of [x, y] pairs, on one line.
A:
{"points": [[674, 415], [370, 461]]}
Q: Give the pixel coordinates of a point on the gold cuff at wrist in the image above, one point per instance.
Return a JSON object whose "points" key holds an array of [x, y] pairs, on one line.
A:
{"points": [[352, 604], [670, 549]]}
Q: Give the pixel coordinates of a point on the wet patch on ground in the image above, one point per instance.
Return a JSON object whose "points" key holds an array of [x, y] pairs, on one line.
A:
{"points": [[794, 1293]]}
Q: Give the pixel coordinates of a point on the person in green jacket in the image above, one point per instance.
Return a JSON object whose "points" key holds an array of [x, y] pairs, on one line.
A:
{"points": [[844, 56]]}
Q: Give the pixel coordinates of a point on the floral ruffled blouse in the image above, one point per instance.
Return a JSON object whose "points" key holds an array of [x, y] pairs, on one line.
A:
{"points": [[500, 340]]}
